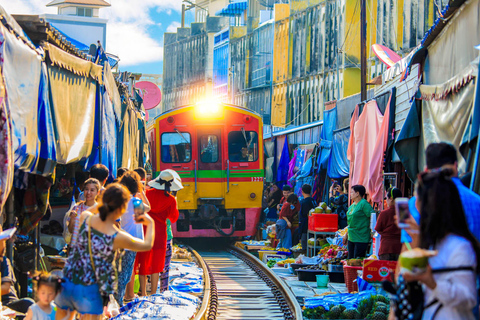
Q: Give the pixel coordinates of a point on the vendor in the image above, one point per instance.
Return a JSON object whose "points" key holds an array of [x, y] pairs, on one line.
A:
{"points": [[358, 236], [339, 201], [285, 219], [273, 199], [390, 245]]}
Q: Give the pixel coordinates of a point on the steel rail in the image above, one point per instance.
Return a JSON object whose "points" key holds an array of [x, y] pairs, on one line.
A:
{"points": [[239, 286]]}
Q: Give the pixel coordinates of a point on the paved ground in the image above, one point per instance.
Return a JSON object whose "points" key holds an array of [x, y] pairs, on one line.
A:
{"points": [[302, 289]]}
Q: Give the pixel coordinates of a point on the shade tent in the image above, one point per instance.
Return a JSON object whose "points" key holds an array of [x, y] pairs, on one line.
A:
{"points": [[233, 9]]}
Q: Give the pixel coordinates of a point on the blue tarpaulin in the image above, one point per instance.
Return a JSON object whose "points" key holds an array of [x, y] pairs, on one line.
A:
{"points": [[338, 164], [233, 9], [329, 124], [80, 46], [46, 161], [282, 174]]}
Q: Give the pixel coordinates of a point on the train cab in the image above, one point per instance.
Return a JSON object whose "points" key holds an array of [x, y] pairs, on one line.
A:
{"points": [[217, 149]]}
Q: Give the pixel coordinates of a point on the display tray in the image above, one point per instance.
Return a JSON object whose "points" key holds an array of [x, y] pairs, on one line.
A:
{"points": [[296, 266], [309, 275]]}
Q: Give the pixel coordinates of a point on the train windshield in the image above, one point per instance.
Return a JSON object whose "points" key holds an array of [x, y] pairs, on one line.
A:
{"points": [[176, 147], [209, 148], [243, 146]]}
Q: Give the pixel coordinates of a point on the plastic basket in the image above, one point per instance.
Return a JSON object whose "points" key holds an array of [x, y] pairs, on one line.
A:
{"points": [[350, 273], [323, 222]]}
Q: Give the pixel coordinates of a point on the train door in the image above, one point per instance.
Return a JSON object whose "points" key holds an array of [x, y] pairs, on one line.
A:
{"points": [[244, 175], [210, 172], [177, 154]]}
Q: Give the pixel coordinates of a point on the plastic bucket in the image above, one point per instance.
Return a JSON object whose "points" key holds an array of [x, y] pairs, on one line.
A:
{"points": [[322, 280]]}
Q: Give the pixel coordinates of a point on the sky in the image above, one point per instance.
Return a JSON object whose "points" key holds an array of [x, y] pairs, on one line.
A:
{"points": [[134, 31]]}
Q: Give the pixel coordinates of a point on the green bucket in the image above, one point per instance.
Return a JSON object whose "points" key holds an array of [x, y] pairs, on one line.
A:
{"points": [[322, 280]]}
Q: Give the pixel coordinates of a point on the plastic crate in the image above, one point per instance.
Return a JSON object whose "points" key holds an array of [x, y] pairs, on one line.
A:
{"points": [[350, 273], [335, 268], [309, 275], [323, 222]]}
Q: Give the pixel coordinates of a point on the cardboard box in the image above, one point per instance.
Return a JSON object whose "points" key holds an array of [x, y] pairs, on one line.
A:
{"points": [[378, 270]]}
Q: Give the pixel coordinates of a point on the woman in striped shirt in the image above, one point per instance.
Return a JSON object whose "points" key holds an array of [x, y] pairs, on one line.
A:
{"points": [[92, 187]]}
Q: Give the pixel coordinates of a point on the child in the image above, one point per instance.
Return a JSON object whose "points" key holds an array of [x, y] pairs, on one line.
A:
{"points": [[48, 286]]}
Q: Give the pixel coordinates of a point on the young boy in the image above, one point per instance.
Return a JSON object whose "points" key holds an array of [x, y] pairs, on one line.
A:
{"points": [[306, 205]]}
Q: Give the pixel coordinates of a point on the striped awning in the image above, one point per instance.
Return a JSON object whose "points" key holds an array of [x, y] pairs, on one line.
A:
{"points": [[233, 9]]}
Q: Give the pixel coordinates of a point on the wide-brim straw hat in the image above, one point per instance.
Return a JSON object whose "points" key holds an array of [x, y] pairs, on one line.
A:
{"points": [[169, 178]]}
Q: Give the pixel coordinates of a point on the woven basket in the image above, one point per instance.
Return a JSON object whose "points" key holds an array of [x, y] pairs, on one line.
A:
{"points": [[350, 273]]}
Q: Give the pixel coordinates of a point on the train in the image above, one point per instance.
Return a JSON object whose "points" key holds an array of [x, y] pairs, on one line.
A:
{"points": [[217, 149]]}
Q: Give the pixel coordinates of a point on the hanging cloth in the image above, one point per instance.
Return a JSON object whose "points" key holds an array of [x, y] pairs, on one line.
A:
{"points": [[375, 183], [365, 135], [283, 165], [291, 167]]}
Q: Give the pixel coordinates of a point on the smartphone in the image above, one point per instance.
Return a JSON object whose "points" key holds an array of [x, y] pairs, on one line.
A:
{"points": [[403, 212], [138, 208]]}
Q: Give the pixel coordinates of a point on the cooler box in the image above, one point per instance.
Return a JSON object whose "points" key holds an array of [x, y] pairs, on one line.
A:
{"points": [[378, 270], [323, 222]]}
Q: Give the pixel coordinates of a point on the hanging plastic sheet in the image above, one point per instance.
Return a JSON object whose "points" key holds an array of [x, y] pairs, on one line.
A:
{"points": [[6, 152], [304, 176], [282, 173], [21, 71], [409, 144], [112, 91], [47, 159], [324, 154], [329, 124], [127, 139], [338, 164], [73, 89], [94, 157], [269, 160]]}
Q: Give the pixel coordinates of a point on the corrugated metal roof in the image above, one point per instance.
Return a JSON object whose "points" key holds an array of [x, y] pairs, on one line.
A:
{"points": [[100, 3]]}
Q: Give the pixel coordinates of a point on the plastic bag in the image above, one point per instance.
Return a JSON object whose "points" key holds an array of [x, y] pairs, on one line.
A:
{"points": [[306, 260], [113, 308]]}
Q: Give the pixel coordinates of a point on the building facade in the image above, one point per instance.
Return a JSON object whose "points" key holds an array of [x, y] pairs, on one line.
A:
{"points": [[79, 19]]}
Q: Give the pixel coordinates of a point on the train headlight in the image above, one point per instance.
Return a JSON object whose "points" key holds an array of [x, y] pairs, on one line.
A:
{"points": [[253, 196], [208, 106]]}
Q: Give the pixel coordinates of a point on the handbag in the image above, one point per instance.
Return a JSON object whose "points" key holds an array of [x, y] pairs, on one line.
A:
{"points": [[105, 296], [408, 297]]}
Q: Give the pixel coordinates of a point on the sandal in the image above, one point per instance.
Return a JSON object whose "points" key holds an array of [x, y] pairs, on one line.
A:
{"points": [[125, 301]]}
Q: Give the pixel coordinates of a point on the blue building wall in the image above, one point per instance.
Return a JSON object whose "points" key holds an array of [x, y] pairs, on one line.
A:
{"points": [[221, 60]]}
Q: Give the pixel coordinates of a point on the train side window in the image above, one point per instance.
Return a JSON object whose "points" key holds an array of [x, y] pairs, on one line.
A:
{"points": [[176, 147], [243, 146], [209, 148]]}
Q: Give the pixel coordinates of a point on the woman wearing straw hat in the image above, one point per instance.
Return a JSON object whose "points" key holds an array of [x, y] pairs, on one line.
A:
{"points": [[163, 206]]}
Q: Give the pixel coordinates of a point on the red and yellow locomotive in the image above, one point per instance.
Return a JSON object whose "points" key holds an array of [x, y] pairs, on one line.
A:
{"points": [[217, 149]]}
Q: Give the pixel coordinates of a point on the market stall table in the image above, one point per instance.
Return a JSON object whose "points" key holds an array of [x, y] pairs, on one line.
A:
{"points": [[53, 241], [312, 250]]}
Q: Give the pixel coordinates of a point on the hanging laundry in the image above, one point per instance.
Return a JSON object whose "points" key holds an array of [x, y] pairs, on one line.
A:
{"points": [[364, 137], [375, 183]]}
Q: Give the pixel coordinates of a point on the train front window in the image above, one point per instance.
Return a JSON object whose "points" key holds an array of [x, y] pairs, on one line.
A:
{"points": [[243, 146], [176, 147], [209, 148]]}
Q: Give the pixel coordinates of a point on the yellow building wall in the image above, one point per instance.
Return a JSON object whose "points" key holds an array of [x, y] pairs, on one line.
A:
{"points": [[279, 105], [351, 81]]}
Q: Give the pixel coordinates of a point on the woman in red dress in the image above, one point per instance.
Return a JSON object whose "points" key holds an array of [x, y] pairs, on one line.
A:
{"points": [[163, 207]]}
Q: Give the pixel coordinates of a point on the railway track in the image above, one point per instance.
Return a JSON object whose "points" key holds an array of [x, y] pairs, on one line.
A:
{"points": [[238, 286]]}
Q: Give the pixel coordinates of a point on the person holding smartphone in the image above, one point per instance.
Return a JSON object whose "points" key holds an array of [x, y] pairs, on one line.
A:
{"points": [[339, 201], [137, 205], [390, 245]]}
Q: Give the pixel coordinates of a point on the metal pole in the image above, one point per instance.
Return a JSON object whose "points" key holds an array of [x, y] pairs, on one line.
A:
{"points": [[233, 84], [183, 15], [363, 48]]}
